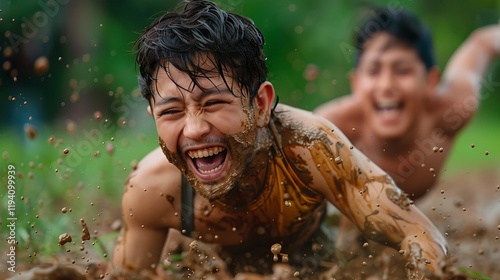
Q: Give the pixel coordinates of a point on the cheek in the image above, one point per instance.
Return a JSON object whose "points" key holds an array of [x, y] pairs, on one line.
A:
{"points": [[230, 123], [169, 136]]}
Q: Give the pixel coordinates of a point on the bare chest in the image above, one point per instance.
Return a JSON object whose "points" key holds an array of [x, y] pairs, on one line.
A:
{"points": [[270, 221], [416, 168]]}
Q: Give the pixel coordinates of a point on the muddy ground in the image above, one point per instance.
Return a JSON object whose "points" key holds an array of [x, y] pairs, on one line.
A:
{"points": [[465, 207]]}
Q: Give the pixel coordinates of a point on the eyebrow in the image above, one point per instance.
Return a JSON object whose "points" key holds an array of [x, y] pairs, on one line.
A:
{"points": [[198, 96]]}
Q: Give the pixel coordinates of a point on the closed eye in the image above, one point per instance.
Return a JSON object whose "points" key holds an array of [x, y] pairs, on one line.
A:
{"points": [[168, 113], [214, 104]]}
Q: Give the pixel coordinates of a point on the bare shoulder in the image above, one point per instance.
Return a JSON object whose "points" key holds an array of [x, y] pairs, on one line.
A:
{"points": [[344, 111], [152, 183], [306, 121], [151, 168]]}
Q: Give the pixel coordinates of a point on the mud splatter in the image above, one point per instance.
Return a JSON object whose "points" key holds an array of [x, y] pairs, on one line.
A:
{"points": [[64, 238], [85, 230]]}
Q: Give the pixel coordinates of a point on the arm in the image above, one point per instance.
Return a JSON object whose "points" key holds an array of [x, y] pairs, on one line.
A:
{"points": [[371, 200], [147, 213], [464, 76]]}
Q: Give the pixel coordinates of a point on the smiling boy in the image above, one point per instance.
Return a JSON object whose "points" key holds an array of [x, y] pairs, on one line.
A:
{"points": [[400, 113], [261, 173]]}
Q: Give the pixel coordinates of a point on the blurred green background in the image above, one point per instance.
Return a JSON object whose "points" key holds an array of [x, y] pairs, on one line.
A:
{"points": [[73, 123]]}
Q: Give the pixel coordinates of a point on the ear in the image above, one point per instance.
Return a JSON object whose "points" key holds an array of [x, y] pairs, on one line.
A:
{"points": [[149, 110], [264, 103], [433, 78], [353, 79]]}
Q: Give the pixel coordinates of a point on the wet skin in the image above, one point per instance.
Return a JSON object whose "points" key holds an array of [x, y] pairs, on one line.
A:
{"points": [[259, 177], [404, 117]]}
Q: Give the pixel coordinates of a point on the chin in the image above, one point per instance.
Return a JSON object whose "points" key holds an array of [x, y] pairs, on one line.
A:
{"points": [[213, 191], [390, 133]]}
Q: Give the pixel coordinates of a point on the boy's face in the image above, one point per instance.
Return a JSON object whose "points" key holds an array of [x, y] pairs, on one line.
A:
{"points": [[207, 132], [391, 83]]}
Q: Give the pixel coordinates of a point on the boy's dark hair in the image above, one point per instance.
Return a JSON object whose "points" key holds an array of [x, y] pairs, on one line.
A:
{"points": [[202, 32], [404, 26]]}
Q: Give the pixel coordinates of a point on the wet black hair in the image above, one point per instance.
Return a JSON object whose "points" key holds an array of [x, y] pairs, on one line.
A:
{"points": [[404, 26], [202, 32]]}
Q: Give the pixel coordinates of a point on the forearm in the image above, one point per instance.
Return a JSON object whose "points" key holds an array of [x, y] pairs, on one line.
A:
{"points": [[425, 254], [136, 250], [386, 215], [473, 58]]}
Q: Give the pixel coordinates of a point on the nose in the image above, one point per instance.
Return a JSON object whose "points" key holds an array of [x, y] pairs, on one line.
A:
{"points": [[386, 81], [195, 126]]}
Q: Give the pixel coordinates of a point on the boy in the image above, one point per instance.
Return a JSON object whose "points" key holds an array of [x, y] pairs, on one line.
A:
{"points": [[261, 173], [400, 114]]}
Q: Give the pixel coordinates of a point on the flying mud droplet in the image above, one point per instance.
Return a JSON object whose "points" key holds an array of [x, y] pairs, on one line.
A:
{"points": [[64, 238], [41, 65], [110, 149], [64, 210], [70, 126], [97, 115], [435, 149], [65, 151], [486, 153], [85, 230], [311, 72], [338, 160], [30, 131], [275, 250], [122, 121], [472, 145]]}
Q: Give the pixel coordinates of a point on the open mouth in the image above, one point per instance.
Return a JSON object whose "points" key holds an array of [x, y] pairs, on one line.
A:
{"points": [[208, 164], [389, 112], [388, 106]]}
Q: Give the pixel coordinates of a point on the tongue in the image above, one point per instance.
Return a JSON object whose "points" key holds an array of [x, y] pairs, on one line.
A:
{"points": [[209, 163]]}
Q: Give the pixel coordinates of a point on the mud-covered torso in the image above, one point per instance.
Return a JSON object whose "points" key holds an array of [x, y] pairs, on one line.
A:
{"points": [[287, 211]]}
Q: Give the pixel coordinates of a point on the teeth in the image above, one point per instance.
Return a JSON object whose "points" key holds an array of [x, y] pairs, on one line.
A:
{"points": [[205, 152], [387, 105], [211, 170]]}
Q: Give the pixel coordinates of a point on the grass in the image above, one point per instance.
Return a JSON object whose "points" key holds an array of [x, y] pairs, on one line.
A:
{"points": [[55, 189], [476, 147]]}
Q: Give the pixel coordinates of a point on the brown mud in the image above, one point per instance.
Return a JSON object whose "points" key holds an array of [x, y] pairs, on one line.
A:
{"points": [[465, 207]]}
